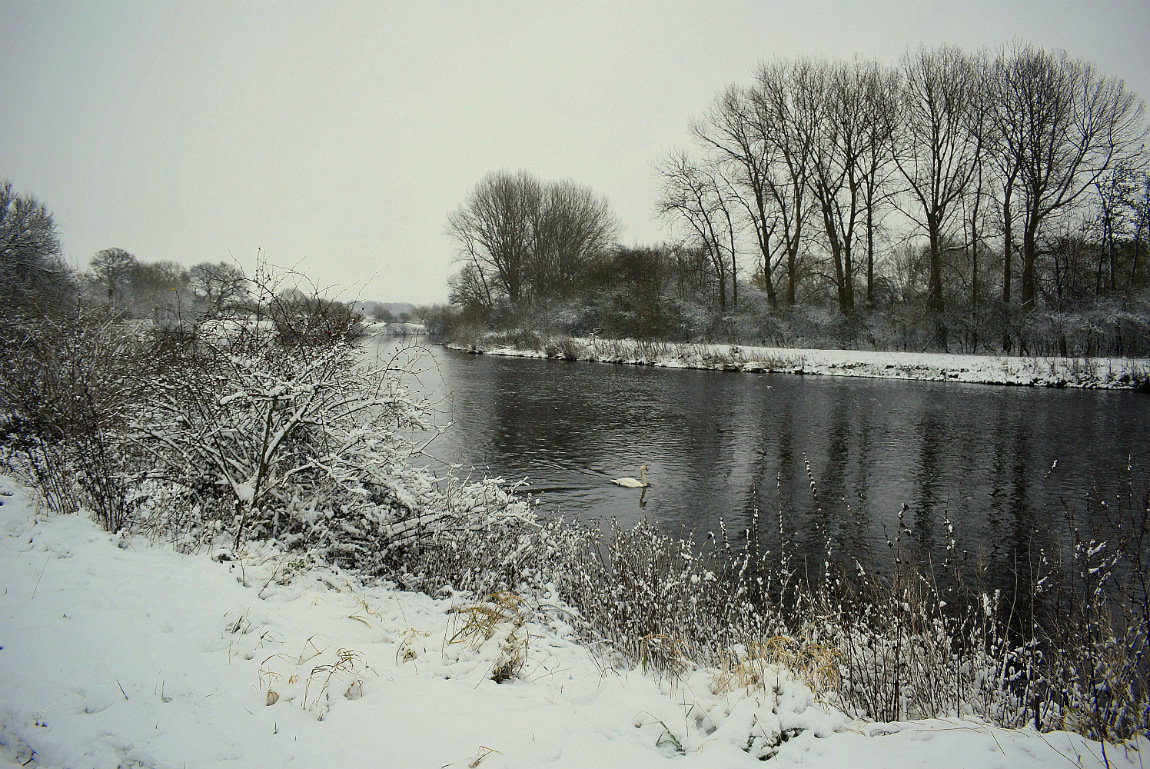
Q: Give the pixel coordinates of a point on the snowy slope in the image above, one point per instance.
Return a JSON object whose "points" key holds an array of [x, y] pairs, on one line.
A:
{"points": [[121, 653]]}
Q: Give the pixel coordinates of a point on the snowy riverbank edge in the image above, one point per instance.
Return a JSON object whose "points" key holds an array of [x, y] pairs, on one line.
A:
{"points": [[118, 652], [1089, 373]]}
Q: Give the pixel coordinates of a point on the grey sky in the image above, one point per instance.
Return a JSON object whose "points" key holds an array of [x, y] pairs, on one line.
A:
{"points": [[336, 136]]}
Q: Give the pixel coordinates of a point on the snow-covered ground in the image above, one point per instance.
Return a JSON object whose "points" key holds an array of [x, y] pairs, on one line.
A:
{"points": [[124, 653], [1107, 373]]}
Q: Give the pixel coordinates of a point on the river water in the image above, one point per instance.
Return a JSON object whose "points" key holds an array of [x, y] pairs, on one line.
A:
{"points": [[1001, 465]]}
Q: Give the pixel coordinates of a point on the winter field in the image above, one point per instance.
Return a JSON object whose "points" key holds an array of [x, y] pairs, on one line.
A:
{"points": [[1102, 373], [123, 652]]}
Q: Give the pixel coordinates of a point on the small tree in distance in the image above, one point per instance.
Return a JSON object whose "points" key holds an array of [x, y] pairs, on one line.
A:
{"points": [[526, 239], [112, 269], [218, 288]]}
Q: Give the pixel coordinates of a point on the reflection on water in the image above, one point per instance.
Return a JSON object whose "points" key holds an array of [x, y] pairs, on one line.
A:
{"points": [[717, 445]]}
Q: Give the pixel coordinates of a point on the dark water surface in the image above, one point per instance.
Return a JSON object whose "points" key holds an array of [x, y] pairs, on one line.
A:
{"points": [[719, 444]]}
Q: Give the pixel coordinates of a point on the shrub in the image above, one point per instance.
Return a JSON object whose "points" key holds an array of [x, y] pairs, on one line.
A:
{"points": [[66, 390], [563, 347]]}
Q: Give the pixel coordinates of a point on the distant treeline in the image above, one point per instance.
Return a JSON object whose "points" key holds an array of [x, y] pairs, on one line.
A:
{"points": [[35, 282], [973, 201]]}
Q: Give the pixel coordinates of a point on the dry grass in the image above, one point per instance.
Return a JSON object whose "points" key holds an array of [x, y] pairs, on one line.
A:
{"points": [[758, 665], [502, 616], [345, 672]]}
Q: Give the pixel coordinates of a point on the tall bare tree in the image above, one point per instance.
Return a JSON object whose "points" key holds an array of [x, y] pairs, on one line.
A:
{"points": [[880, 87], [851, 123], [782, 124], [530, 238], [571, 229], [1116, 192], [494, 227], [1073, 124], [732, 132], [1005, 152], [938, 147], [700, 197]]}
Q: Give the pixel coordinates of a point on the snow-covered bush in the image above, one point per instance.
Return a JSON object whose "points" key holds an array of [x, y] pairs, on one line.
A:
{"points": [[280, 430], [67, 386], [307, 444]]}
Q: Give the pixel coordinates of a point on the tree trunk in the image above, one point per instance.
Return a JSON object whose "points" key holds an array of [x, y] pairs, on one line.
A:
{"points": [[772, 299], [792, 269], [974, 259], [934, 300], [974, 298], [1134, 261], [869, 256], [836, 260], [848, 275], [1029, 263], [720, 273], [1110, 252], [734, 269], [765, 250], [1007, 246]]}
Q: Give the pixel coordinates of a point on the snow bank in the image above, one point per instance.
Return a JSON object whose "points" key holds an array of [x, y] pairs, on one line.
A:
{"points": [[1102, 373], [114, 652]]}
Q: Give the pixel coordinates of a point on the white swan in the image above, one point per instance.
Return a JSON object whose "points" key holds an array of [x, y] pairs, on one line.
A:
{"points": [[632, 483]]}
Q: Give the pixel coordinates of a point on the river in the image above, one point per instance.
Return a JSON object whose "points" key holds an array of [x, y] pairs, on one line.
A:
{"points": [[1001, 465]]}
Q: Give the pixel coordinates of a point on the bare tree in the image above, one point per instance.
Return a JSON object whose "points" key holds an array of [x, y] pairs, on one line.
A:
{"points": [[1116, 191], [530, 238], [700, 197], [1073, 124], [571, 228], [1141, 215], [1005, 150], [985, 127], [494, 227], [937, 149], [850, 120], [468, 291], [779, 122], [730, 130], [218, 287], [112, 269], [880, 87]]}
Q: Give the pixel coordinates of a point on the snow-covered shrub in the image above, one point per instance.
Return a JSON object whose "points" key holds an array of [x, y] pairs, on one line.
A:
{"points": [[1091, 664], [300, 439], [66, 388], [563, 347], [519, 338], [646, 598], [1068, 651], [298, 436]]}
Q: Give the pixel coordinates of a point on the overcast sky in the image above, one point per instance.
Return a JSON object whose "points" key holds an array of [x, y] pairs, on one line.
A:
{"points": [[336, 136]]}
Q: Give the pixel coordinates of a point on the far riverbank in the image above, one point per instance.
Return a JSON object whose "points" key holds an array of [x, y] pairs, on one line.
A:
{"points": [[1086, 373]]}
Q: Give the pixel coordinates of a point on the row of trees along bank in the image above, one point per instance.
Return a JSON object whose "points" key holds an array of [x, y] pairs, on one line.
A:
{"points": [[36, 284], [956, 187]]}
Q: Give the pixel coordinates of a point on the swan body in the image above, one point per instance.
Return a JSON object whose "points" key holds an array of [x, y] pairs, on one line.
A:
{"points": [[633, 483]]}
